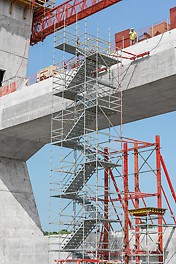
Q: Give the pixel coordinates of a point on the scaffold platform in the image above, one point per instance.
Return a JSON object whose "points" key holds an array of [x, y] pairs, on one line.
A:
{"points": [[68, 48], [145, 211]]}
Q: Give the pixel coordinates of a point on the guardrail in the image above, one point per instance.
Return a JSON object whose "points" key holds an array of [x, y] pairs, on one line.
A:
{"points": [[153, 30], [12, 87], [122, 39]]}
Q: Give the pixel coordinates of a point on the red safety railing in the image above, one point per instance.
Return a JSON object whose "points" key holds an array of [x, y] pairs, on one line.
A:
{"points": [[12, 87]]}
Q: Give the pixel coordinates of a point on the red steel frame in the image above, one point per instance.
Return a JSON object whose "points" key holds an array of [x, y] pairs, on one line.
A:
{"points": [[137, 146], [65, 14], [135, 197], [137, 190], [134, 147], [159, 196], [125, 180]]}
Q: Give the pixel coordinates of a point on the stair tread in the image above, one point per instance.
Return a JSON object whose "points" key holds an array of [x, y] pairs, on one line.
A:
{"points": [[81, 233]]}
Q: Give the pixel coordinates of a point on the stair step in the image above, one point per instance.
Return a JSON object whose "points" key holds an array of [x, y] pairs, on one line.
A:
{"points": [[80, 234], [85, 173], [78, 128], [77, 79]]}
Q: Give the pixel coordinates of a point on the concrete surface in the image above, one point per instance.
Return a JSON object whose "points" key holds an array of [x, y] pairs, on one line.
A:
{"points": [[14, 44], [148, 89], [21, 238], [116, 239]]}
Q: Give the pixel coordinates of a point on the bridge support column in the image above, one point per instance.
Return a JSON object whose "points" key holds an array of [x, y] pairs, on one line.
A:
{"points": [[21, 238]]}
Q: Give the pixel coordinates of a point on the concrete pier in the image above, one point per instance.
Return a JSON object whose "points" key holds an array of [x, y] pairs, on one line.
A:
{"points": [[15, 26], [22, 239]]}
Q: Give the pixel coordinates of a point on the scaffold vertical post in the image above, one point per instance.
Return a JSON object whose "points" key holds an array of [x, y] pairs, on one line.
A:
{"points": [[106, 209]]}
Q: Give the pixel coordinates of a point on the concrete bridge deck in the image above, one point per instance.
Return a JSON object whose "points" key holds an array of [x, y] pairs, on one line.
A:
{"points": [[148, 86]]}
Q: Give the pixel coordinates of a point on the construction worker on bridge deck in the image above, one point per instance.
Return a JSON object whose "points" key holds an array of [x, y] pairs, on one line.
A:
{"points": [[133, 36]]}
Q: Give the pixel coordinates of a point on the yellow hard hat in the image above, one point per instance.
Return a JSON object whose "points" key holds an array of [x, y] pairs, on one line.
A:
{"points": [[132, 28]]}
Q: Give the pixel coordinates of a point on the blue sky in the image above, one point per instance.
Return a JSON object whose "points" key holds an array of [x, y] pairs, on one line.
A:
{"points": [[128, 13]]}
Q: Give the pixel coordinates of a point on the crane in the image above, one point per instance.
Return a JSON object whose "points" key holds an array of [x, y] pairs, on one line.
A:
{"points": [[67, 13]]}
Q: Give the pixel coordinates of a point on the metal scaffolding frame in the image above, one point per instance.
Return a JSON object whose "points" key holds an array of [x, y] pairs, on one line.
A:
{"points": [[93, 166], [82, 185]]}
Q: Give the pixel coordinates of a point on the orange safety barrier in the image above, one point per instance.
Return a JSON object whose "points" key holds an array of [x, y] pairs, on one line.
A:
{"points": [[122, 39], [173, 17], [12, 87], [159, 29]]}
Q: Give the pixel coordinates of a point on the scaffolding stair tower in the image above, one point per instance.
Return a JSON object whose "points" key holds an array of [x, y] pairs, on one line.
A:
{"points": [[91, 100]]}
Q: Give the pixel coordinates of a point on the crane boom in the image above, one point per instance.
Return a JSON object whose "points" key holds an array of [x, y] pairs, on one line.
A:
{"points": [[65, 14]]}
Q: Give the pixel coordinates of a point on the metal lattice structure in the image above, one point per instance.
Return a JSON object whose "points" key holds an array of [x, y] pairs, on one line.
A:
{"points": [[84, 180], [146, 220], [102, 209], [67, 13]]}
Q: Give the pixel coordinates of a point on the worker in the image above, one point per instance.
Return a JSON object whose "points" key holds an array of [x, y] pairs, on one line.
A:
{"points": [[65, 65], [77, 42], [133, 36], [77, 49]]}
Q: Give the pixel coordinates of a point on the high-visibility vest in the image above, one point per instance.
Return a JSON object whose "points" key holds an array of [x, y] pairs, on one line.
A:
{"points": [[133, 35]]}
